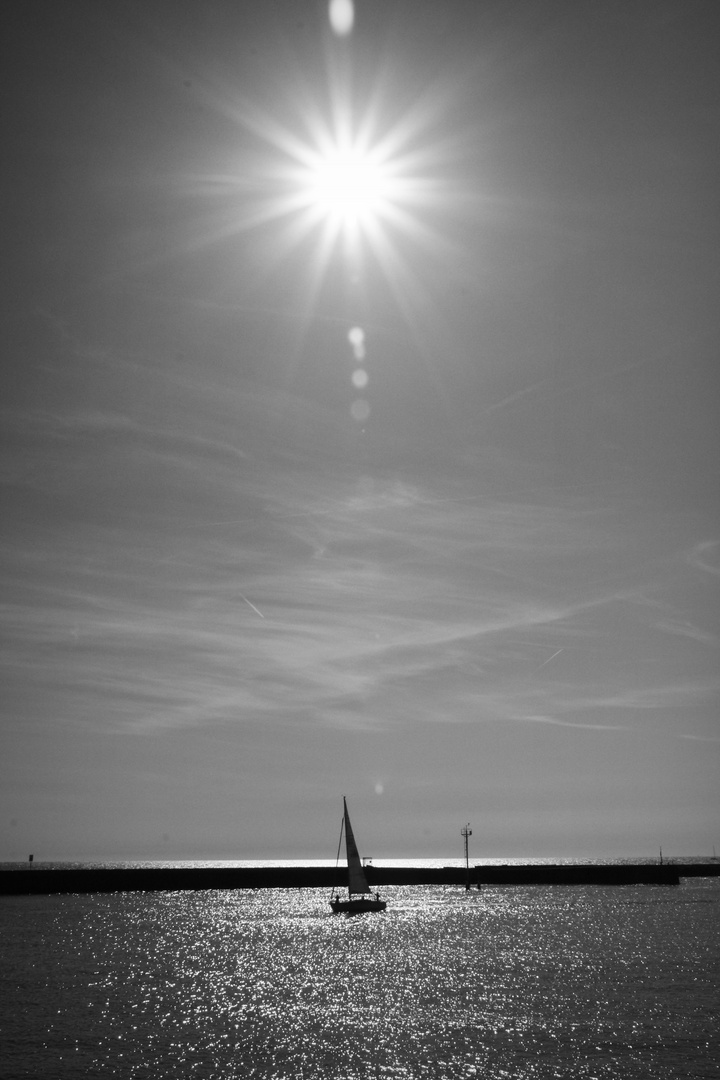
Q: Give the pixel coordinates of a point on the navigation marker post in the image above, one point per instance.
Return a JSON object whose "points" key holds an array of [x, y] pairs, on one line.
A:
{"points": [[466, 832]]}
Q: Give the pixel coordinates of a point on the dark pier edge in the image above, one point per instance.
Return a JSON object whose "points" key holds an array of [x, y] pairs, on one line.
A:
{"points": [[170, 879]]}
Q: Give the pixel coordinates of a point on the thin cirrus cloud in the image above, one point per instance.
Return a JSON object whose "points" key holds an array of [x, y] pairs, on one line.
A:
{"points": [[699, 557], [327, 603]]}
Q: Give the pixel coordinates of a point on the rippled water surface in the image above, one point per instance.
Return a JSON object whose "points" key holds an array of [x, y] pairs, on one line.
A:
{"points": [[516, 982]]}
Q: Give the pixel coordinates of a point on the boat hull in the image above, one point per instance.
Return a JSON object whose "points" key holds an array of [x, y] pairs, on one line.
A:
{"points": [[357, 905]]}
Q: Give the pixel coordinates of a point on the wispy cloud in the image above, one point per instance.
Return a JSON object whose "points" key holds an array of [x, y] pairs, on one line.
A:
{"points": [[701, 556], [557, 721], [325, 598], [651, 696]]}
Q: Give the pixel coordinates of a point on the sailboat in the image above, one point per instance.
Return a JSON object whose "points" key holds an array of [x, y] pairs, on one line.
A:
{"points": [[360, 899]]}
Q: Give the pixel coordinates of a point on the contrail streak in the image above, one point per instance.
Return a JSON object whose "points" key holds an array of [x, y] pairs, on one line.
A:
{"points": [[256, 610], [549, 659]]}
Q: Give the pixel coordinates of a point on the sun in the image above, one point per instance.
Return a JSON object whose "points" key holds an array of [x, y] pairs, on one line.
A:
{"points": [[347, 186], [353, 188]]}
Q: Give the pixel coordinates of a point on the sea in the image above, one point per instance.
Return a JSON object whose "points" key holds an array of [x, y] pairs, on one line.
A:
{"points": [[501, 983]]}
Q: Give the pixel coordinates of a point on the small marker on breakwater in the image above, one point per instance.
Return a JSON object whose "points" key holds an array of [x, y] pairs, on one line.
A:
{"points": [[466, 833]]}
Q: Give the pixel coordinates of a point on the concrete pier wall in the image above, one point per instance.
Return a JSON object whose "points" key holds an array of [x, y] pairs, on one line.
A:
{"points": [[170, 879], [574, 874]]}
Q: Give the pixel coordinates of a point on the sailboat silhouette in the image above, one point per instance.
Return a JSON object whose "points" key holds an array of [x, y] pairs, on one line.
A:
{"points": [[360, 898]]}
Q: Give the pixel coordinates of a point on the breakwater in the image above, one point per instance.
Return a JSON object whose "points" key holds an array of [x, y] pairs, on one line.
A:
{"points": [[38, 881], [579, 874]]}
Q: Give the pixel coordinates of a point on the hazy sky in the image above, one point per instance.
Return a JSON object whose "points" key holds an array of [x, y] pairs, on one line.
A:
{"points": [[464, 569]]}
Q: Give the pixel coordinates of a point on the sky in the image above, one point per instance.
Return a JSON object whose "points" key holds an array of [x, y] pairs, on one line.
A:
{"points": [[405, 490]]}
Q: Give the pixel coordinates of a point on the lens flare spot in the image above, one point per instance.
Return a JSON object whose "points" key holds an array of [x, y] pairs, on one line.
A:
{"points": [[356, 337], [360, 379], [360, 410], [342, 15]]}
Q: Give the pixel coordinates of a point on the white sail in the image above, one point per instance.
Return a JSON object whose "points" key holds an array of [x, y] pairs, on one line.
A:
{"points": [[357, 882]]}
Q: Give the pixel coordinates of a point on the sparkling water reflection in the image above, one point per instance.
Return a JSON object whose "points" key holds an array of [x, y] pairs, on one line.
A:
{"points": [[524, 982]]}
